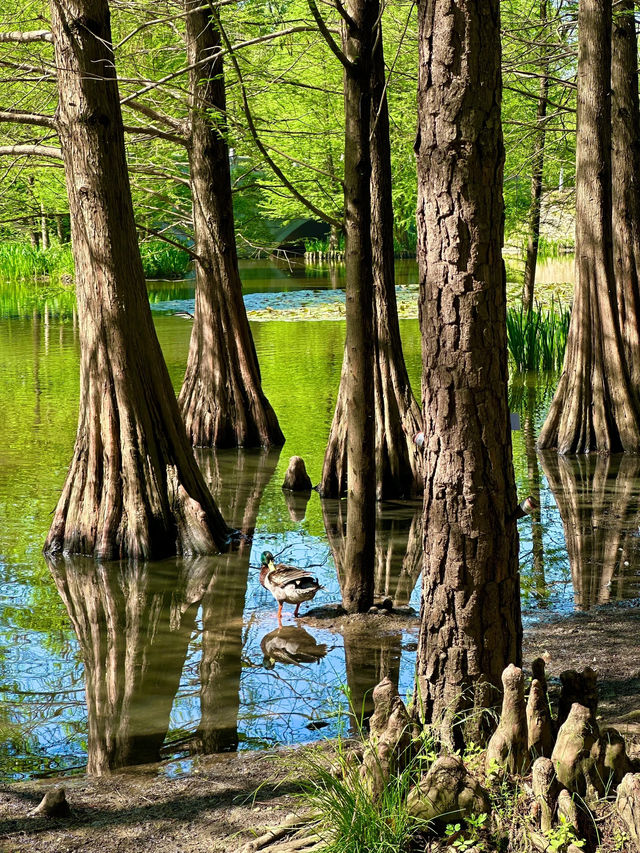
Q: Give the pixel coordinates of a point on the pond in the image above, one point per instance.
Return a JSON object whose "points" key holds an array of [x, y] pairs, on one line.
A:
{"points": [[114, 664]]}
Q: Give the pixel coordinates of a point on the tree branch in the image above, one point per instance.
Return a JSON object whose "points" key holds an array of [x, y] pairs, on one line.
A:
{"points": [[256, 138], [27, 37], [159, 134], [160, 236], [154, 115], [31, 151], [21, 117], [326, 34]]}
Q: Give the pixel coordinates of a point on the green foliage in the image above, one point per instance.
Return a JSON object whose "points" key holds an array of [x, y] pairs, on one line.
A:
{"points": [[562, 835], [464, 841], [20, 261], [537, 339], [162, 260]]}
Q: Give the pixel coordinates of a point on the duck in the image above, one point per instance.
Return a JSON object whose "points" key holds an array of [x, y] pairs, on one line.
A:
{"points": [[287, 583]]}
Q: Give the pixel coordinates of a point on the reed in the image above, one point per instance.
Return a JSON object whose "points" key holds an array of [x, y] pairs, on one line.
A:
{"points": [[537, 339]]}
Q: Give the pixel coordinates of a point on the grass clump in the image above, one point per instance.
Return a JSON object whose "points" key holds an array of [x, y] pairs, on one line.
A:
{"points": [[537, 339], [162, 260], [20, 261]]}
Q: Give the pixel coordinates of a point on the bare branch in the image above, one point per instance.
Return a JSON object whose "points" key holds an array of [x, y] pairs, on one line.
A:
{"points": [[154, 115], [21, 117], [326, 34], [155, 132], [161, 236], [31, 151], [27, 37]]}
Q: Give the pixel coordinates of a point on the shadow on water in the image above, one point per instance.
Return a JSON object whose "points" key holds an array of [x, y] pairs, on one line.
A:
{"points": [[599, 502]]}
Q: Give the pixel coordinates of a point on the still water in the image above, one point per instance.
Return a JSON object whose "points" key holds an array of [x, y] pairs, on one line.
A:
{"points": [[114, 664]]}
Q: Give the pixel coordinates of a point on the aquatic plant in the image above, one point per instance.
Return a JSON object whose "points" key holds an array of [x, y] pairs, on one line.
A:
{"points": [[537, 339], [162, 260]]}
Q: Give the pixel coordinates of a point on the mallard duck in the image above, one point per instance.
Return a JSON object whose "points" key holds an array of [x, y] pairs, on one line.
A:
{"points": [[291, 645], [287, 583]]}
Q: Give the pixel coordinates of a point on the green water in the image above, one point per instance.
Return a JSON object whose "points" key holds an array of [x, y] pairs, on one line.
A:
{"points": [[184, 656]]}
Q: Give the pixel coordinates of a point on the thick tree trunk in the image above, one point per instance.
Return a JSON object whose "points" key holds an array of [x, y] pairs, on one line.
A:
{"points": [[470, 621], [625, 153], [133, 488], [221, 398], [595, 407], [398, 462], [133, 626], [537, 171], [361, 490]]}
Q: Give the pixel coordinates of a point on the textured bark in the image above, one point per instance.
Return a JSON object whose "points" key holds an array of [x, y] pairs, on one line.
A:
{"points": [[244, 476], [133, 625], [133, 487], [537, 170], [625, 154], [470, 620], [595, 407], [221, 400], [398, 462], [357, 592], [596, 497]]}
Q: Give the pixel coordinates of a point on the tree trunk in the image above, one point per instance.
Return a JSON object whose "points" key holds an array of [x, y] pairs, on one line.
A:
{"points": [[44, 228], [470, 621], [625, 152], [537, 171], [221, 398], [398, 462], [133, 488], [595, 407], [361, 489]]}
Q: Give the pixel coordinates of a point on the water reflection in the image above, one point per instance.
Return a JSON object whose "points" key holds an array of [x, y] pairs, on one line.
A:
{"points": [[237, 479], [291, 645], [369, 659], [133, 622], [598, 500]]}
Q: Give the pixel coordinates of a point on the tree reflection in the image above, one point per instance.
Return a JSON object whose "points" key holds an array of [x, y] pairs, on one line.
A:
{"points": [[244, 475], [372, 654], [134, 622], [597, 497]]}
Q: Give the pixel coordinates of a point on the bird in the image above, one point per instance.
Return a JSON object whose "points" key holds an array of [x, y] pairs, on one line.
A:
{"points": [[287, 583], [291, 645]]}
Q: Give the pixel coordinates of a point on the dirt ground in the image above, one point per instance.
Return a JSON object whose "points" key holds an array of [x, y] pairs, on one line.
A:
{"points": [[217, 803]]}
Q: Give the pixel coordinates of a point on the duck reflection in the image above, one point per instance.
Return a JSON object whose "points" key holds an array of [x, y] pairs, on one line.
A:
{"points": [[134, 623], [373, 652], [597, 497], [291, 645]]}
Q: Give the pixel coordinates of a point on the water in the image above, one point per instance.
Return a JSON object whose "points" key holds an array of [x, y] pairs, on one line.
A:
{"points": [[183, 656]]}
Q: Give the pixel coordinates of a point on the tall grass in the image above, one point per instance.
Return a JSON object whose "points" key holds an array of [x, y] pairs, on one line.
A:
{"points": [[537, 339], [21, 261]]}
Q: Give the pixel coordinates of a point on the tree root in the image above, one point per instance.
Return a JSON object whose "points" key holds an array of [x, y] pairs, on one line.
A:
{"points": [[290, 828]]}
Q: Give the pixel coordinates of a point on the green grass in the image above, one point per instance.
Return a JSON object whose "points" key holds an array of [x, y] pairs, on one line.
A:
{"points": [[537, 339], [20, 261]]}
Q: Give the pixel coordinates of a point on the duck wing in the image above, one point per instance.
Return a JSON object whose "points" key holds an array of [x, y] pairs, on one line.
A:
{"points": [[284, 575]]}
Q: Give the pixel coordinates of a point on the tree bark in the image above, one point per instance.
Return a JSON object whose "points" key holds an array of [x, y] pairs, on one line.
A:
{"points": [[398, 462], [625, 154], [133, 488], [470, 620], [221, 400], [595, 407], [537, 171], [361, 490]]}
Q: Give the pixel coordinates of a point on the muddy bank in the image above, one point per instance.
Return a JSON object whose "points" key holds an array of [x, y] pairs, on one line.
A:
{"points": [[217, 803]]}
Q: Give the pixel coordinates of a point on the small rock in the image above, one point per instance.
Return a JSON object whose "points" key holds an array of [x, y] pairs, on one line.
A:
{"points": [[372, 611], [296, 479], [386, 604]]}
